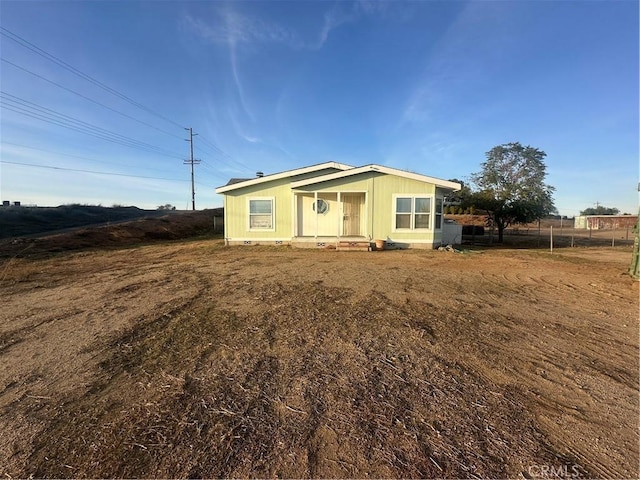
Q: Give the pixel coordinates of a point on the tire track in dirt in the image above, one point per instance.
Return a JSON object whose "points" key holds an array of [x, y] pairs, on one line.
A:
{"points": [[273, 362], [318, 391], [600, 356], [72, 334]]}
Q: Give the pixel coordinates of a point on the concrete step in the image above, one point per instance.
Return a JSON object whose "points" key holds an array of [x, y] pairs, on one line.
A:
{"points": [[357, 246]]}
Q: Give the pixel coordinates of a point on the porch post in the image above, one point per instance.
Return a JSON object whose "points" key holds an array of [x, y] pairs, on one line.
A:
{"points": [[339, 216], [294, 214], [315, 208]]}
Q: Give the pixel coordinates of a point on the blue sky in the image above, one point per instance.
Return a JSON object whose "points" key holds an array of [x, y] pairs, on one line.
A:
{"points": [[423, 86]]}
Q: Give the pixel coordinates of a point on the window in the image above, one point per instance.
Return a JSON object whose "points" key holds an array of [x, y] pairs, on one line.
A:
{"points": [[321, 206], [412, 213], [261, 214], [403, 212], [422, 212], [438, 213]]}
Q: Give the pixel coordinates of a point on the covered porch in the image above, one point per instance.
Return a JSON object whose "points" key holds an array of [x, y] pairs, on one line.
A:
{"points": [[325, 218]]}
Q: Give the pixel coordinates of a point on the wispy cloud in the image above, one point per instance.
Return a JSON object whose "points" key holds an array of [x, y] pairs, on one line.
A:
{"points": [[233, 114], [375, 7], [231, 27], [234, 28], [475, 40], [332, 20], [243, 34], [236, 78]]}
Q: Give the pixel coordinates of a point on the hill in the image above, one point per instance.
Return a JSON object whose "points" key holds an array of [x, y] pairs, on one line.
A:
{"points": [[152, 227], [22, 221]]}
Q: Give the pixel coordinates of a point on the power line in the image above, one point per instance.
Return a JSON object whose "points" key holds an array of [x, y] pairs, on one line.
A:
{"points": [[220, 160], [224, 154], [88, 98], [53, 120], [212, 171], [66, 154], [86, 132], [206, 166], [212, 145], [34, 48], [90, 171], [38, 115], [34, 110]]}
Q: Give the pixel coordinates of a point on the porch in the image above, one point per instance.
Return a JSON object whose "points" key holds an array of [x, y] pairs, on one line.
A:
{"points": [[329, 217]]}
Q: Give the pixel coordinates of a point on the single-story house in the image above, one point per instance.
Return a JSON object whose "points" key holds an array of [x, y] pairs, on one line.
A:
{"points": [[336, 204]]}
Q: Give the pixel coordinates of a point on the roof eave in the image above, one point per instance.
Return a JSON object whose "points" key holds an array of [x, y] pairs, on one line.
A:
{"points": [[453, 186], [285, 174]]}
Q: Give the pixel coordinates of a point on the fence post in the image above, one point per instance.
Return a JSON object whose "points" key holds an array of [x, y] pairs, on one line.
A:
{"points": [[634, 269], [551, 237]]}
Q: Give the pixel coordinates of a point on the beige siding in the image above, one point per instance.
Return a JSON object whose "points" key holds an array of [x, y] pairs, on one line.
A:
{"points": [[379, 191], [237, 211]]}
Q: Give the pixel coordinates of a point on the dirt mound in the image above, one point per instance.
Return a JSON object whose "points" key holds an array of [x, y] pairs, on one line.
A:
{"points": [[21, 221], [173, 226]]}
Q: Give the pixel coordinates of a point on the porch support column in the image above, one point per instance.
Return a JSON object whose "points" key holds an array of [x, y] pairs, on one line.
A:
{"points": [[294, 216], [340, 214], [315, 208]]}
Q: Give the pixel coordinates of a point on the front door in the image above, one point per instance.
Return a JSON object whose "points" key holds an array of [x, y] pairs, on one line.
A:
{"points": [[351, 212]]}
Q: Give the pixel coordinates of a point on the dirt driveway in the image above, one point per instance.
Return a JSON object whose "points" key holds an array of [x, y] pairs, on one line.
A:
{"points": [[195, 359]]}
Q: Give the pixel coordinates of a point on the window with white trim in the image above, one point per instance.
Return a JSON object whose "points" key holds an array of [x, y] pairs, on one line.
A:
{"points": [[261, 214], [412, 213]]}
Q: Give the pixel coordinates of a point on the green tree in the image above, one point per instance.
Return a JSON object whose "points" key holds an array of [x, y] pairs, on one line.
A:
{"points": [[461, 196], [600, 210], [510, 188]]}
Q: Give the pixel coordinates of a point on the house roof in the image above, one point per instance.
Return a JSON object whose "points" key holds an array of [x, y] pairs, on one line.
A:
{"points": [[380, 169], [241, 183], [233, 181]]}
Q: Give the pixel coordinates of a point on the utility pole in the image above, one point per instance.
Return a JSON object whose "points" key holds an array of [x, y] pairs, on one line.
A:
{"points": [[192, 162]]}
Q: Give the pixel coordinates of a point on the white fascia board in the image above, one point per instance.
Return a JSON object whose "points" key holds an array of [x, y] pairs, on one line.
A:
{"points": [[381, 169], [285, 174]]}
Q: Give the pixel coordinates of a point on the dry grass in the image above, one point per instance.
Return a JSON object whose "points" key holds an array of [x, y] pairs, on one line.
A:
{"points": [[196, 360]]}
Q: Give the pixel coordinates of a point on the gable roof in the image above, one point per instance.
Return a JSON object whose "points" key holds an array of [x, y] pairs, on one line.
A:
{"points": [[380, 169], [276, 176]]}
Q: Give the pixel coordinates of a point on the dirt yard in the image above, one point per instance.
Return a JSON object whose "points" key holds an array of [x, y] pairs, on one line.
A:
{"points": [[191, 359]]}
